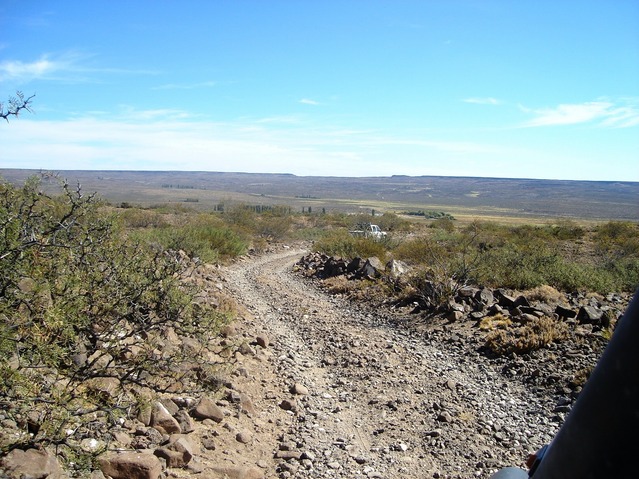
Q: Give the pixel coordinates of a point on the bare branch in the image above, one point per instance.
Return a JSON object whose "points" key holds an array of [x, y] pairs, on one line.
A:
{"points": [[15, 105]]}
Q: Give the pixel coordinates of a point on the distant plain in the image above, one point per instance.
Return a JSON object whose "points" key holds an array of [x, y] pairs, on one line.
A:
{"points": [[496, 199]]}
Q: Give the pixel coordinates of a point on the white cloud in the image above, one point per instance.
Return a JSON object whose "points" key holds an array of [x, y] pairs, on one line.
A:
{"points": [[23, 71], [69, 67], [482, 100], [165, 139], [308, 101], [601, 112]]}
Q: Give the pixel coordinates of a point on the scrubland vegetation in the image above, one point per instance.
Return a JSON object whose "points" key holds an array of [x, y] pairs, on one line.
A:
{"points": [[88, 291]]}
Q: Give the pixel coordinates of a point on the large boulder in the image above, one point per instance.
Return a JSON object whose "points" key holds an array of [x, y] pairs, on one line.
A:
{"points": [[131, 465], [32, 463]]}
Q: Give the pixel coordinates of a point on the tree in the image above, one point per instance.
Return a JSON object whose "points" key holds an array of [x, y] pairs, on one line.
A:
{"points": [[15, 105]]}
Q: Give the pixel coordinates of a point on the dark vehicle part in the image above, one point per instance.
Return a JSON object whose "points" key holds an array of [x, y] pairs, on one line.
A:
{"points": [[596, 441]]}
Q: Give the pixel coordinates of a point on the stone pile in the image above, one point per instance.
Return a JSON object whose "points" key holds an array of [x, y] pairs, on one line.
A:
{"points": [[470, 302], [322, 266]]}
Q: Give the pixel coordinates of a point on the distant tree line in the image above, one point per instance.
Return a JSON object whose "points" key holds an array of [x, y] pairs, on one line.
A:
{"points": [[431, 214], [179, 187]]}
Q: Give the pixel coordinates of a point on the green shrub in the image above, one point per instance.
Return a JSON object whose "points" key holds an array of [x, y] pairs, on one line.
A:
{"points": [[82, 309], [204, 236], [342, 243]]}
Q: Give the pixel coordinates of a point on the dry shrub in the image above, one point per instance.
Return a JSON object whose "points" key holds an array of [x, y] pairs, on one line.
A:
{"points": [[337, 285], [359, 290], [536, 334], [545, 294], [581, 376], [498, 321]]}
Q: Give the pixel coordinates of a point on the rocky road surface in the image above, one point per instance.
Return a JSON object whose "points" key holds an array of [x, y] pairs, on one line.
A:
{"points": [[364, 396]]}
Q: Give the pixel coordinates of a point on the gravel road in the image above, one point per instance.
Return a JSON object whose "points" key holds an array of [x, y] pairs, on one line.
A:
{"points": [[372, 398]]}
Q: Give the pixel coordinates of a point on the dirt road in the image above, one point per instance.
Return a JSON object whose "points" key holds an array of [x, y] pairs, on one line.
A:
{"points": [[367, 397]]}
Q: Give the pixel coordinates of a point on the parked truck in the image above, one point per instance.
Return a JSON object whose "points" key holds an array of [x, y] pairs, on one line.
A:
{"points": [[368, 230]]}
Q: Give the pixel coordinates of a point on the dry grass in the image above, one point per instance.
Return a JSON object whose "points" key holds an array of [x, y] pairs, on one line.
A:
{"points": [[338, 285], [491, 323], [544, 293], [536, 334]]}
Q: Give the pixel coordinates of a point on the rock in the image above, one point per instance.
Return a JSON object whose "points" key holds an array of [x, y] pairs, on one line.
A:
{"points": [[454, 316], [355, 265], [589, 315], [122, 438], [288, 455], [504, 299], [106, 388], [565, 313], [289, 405], [334, 267], [467, 292], [246, 405], [185, 421], [131, 465], [239, 472], [246, 349], [299, 389], [228, 331], [243, 437], [170, 406], [32, 464], [262, 340], [396, 268], [163, 421], [372, 268], [521, 301], [484, 296], [207, 409], [177, 454]]}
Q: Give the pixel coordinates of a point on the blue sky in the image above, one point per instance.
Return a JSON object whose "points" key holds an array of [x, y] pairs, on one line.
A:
{"points": [[509, 88]]}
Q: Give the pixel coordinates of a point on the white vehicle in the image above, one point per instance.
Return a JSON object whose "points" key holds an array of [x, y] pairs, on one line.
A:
{"points": [[369, 230]]}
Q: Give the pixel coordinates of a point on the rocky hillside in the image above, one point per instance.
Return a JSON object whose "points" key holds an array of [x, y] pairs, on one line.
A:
{"points": [[323, 385]]}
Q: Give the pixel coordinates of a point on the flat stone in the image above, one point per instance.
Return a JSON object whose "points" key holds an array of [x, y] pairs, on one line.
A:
{"points": [[207, 409], [32, 463], [131, 465]]}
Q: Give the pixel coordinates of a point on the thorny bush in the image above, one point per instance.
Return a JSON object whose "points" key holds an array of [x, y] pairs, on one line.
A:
{"points": [[84, 319]]}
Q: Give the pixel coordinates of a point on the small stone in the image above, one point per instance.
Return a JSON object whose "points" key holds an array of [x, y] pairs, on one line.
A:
{"points": [[288, 455], [289, 405], [262, 340], [299, 389]]}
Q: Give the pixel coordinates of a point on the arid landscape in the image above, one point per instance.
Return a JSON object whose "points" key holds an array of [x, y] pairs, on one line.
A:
{"points": [[489, 198], [251, 343]]}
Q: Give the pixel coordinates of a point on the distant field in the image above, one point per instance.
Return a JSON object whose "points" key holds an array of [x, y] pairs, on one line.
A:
{"points": [[465, 198]]}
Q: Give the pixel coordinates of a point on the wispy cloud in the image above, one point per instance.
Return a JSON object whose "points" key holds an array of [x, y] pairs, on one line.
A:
{"points": [[20, 71], [308, 101], [601, 112], [185, 86], [482, 100], [69, 67]]}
